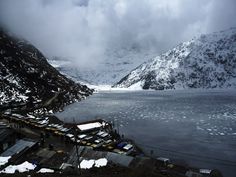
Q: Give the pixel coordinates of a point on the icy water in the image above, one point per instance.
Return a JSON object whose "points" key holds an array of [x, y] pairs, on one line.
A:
{"points": [[197, 128]]}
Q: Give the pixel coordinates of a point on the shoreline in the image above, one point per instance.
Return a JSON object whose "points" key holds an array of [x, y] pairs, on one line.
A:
{"points": [[165, 166]]}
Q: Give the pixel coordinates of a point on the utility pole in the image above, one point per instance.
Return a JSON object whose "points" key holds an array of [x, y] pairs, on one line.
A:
{"points": [[118, 128], [76, 145]]}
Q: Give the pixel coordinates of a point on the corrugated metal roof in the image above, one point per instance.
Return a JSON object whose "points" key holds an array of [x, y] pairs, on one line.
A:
{"points": [[89, 153], [119, 159], [18, 147], [5, 132], [73, 157], [46, 153]]}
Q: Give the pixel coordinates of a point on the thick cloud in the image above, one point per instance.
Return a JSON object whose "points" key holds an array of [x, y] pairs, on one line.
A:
{"points": [[84, 30]]}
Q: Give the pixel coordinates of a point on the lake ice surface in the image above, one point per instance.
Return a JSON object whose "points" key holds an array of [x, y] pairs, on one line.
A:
{"points": [[192, 127]]}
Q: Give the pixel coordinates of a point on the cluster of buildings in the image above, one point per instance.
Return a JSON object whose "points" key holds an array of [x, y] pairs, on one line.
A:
{"points": [[97, 134], [49, 145], [39, 141]]}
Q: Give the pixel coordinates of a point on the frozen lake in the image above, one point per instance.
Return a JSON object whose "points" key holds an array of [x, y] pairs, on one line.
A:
{"points": [[198, 128]]}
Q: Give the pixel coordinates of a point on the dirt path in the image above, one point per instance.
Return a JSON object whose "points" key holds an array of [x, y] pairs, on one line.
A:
{"points": [[47, 103]]}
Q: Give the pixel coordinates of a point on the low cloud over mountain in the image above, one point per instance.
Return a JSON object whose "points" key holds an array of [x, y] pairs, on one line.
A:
{"points": [[84, 30]]}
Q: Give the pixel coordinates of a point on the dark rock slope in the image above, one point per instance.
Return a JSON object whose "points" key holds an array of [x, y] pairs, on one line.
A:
{"points": [[28, 82]]}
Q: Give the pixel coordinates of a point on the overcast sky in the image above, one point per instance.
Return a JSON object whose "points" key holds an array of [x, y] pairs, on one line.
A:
{"points": [[84, 29]]}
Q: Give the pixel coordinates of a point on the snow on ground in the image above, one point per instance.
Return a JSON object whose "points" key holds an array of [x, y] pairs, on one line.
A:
{"points": [[101, 162], [87, 164], [24, 167], [31, 116], [136, 86], [60, 63], [45, 170], [98, 88], [4, 160]]}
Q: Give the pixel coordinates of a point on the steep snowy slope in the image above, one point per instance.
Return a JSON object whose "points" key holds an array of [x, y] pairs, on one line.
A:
{"points": [[116, 64], [205, 62], [27, 80]]}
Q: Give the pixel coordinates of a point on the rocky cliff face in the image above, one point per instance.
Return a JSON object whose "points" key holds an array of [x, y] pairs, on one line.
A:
{"points": [[205, 62], [28, 82]]}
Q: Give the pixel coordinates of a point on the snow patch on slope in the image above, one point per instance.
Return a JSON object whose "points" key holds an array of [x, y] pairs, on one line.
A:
{"points": [[205, 62]]}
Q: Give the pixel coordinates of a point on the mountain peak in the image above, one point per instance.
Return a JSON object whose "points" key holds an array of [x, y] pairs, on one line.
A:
{"points": [[205, 62]]}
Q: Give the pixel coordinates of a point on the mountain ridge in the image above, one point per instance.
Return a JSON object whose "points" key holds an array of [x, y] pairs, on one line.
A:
{"points": [[29, 82], [205, 62]]}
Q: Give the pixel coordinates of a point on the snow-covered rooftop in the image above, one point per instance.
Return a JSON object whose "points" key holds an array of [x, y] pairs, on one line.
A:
{"points": [[89, 126], [87, 164], [45, 170], [24, 167]]}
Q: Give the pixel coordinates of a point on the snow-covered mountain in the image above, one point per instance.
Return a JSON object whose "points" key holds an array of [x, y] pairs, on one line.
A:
{"points": [[116, 64], [205, 62], [27, 81]]}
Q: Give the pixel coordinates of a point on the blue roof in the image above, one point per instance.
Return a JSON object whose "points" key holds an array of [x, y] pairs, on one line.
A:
{"points": [[121, 145]]}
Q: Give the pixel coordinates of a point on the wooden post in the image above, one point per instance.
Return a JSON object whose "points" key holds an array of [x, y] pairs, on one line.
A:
{"points": [[76, 145]]}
